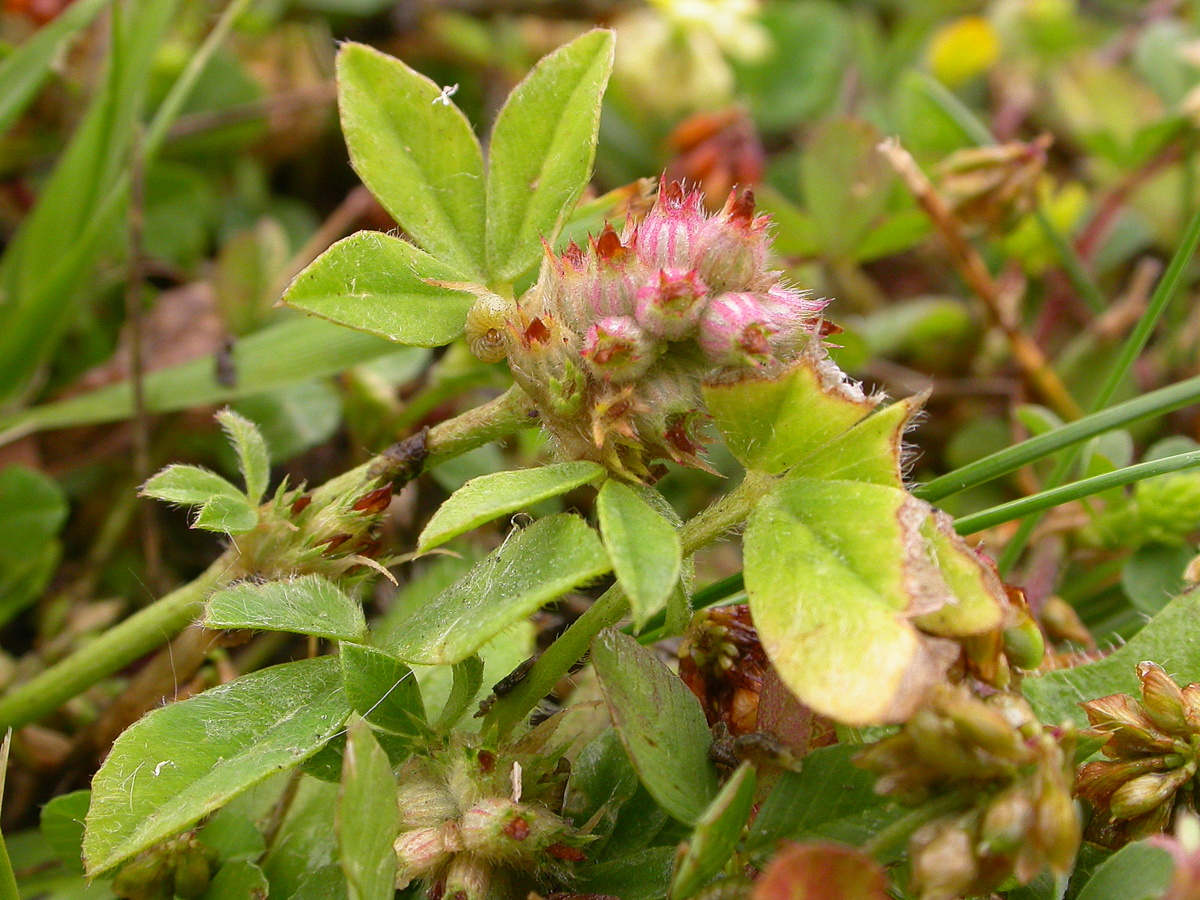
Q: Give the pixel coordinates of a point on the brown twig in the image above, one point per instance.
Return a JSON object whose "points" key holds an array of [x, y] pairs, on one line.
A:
{"points": [[1035, 368], [286, 102]]}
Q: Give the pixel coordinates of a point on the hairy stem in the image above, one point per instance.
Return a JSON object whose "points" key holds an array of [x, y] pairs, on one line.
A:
{"points": [[703, 529], [162, 620], [142, 632]]}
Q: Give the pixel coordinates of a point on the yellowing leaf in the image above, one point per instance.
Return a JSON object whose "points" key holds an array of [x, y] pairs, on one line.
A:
{"points": [[833, 571], [771, 425]]}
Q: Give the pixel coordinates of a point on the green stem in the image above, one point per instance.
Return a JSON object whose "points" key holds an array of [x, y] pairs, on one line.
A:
{"points": [[112, 651], [165, 618], [708, 526], [891, 839]]}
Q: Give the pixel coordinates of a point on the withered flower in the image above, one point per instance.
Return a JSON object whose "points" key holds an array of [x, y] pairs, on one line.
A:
{"points": [[722, 662], [997, 784], [993, 186], [1153, 750]]}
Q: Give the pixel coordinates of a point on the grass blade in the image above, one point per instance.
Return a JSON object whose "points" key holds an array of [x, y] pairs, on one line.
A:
{"points": [[24, 71], [81, 203], [1077, 490], [1156, 403], [1166, 289], [296, 350]]}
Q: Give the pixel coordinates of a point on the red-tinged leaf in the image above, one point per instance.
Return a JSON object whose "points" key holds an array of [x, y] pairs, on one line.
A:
{"points": [[822, 871]]}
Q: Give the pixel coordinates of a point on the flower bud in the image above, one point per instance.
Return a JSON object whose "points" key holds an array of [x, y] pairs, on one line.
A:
{"points": [[1006, 821], [670, 307], [488, 329], [732, 247], [668, 235], [983, 726], [1062, 622], [1128, 728], [1144, 793], [943, 861], [193, 870], [1023, 644], [1162, 700], [422, 851], [423, 799], [1098, 780], [471, 878], [1058, 829], [146, 877], [735, 330], [616, 349]]}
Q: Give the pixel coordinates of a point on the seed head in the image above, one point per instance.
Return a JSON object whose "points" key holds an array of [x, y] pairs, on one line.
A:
{"points": [[1153, 752]]}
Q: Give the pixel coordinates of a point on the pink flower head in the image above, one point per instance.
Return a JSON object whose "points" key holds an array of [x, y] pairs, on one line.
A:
{"points": [[616, 349], [668, 235], [670, 307], [735, 330], [731, 249]]}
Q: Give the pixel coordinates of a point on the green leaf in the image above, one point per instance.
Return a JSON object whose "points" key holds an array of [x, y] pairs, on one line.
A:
{"points": [[383, 691], [368, 818], [660, 723], [62, 827], [416, 154], [1138, 871], [644, 875], [845, 181], [834, 569], [381, 284], [309, 604], [468, 679], [298, 349], [33, 510], [325, 883], [188, 486], [25, 69], [222, 507], [306, 846], [533, 567], [602, 782], [645, 548], [490, 496], [771, 425], [1168, 639], [229, 515], [716, 834], [231, 835], [829, 798], [8, 879], [182, 761], [254, 460], [1154, 574], [237, 880], [870, 451], [541, 152], [979, 594]]}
